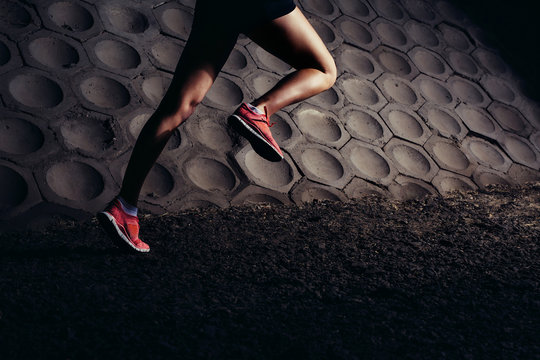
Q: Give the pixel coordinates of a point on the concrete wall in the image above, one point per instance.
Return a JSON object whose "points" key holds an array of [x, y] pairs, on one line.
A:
{"points": [[423, 104]]}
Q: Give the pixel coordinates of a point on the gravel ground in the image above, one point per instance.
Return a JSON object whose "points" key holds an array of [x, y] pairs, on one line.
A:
{"points": [[455, 277]]}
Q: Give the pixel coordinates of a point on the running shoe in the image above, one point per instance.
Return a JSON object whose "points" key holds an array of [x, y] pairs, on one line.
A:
{"points": [[256, 129], [122, 227]]}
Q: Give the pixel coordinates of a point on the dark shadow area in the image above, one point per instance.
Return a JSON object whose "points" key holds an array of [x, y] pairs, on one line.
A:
{"points": [[433, 278], [514, 28]]}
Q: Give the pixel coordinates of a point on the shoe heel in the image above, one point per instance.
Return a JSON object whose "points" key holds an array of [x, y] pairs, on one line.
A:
{"points": [[258, 144]]}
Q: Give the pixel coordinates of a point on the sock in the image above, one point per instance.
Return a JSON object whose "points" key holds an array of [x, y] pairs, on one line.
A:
{"points": [[254, 109], [128, 208]]}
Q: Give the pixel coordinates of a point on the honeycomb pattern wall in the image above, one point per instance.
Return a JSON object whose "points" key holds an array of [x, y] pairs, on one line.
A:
{"points": [[423, 104]]}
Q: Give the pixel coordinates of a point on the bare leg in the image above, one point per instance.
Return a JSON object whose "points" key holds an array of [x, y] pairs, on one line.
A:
{"points": [[293, 40], [198, 67]]}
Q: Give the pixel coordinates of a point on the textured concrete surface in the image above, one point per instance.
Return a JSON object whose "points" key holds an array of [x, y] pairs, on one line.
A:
{"points": [[423, 105]]}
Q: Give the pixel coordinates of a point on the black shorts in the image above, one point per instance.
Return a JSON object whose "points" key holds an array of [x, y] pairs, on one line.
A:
{"points": [[241, 16]]}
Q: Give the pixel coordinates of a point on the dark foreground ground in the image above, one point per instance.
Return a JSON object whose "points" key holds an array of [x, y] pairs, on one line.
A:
{"points": [[434, 278]]}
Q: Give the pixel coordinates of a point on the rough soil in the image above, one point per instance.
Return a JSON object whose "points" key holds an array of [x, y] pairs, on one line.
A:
{"points": [[454, 277]]}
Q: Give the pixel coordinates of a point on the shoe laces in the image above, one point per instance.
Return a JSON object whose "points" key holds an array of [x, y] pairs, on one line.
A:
{"points": [[267, 120]]}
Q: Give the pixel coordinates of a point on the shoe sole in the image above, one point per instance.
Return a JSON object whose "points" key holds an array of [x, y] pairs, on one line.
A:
{"points": [[258, 143], [108, 224]]}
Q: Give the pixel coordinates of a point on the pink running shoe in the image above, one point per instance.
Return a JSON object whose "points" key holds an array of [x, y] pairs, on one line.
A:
{"points": [[256, 129], [121, 227]]}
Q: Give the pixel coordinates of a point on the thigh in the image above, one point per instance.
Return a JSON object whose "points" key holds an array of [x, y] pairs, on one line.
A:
{"points": [[292, 39], [205, 53]]}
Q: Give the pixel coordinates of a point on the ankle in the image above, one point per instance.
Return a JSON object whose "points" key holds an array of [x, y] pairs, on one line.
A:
{"points": [[256, 109], [127, 207]]}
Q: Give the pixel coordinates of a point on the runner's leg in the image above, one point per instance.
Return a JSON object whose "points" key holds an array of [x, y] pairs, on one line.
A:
{"points": [[202, 59], [292, 39]]}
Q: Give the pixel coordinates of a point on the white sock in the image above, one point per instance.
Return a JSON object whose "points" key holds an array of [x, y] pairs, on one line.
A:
{"points": [[128, 208], [254, 109]]}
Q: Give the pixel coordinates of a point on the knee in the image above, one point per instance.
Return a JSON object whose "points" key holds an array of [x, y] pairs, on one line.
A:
{"points": [[330, 73], [174, 114]]}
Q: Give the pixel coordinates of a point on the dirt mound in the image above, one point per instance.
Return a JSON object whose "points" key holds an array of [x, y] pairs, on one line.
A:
{"points": [[453, 277]]}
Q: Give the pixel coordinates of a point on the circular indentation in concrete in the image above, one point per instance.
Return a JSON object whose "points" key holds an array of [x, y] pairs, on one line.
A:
{"points": [[322, 164], [117, 54], [519, 149], [499, 90], [155, 87], [70, 16], [486, 152], [355, 61], [263, 83], [427, 62], [178, 20], [5, 54], [224, 92], [159, 182], [274, 174], [420, 10], [317, 193], [127, 19], [320, 6], [451, 156], [414, 191], [455, 38], [53, 52], [281, 131], [369, 162], [167, 53], [237, 60], [13, 189], [449, 184], [467, 92], [508, 117], [535, 139], [90, 135], [400, 91], [364, 125], [391, 34], [405, 125], [75, 181], [411, 159], [443, 122], [13, 16], [356, 33], [463, 63], [268, 60], [210, 174], [319, 125], [435, 92], [422, 34], [213, 135], [354, 8], [477, 121], [19, 137], [493, 63], [325, 32], [327, 98], [136, 124], [395, 63], [105, 92], [389, 9], [489, 178], [359, 92], [35, 91]]}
